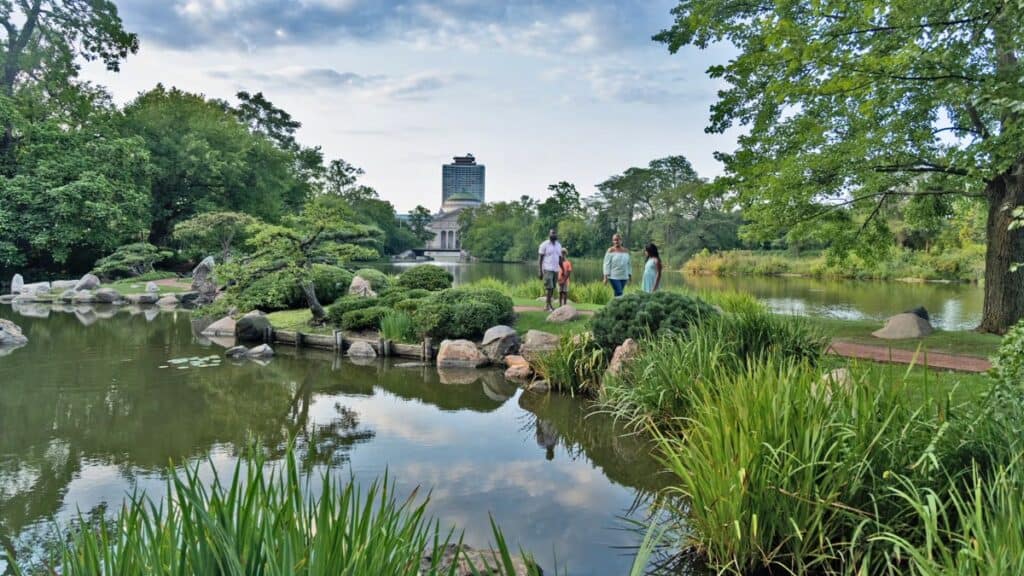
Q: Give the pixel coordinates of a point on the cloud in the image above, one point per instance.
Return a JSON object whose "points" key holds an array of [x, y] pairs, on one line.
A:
{"points": [[552, 26], [416, 86]]}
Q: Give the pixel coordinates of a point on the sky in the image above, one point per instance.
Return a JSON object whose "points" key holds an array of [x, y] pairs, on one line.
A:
{"points": [[538, 90]]}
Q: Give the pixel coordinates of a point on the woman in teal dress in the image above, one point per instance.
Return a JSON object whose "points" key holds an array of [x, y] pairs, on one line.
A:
{"points": [[652, 269]]}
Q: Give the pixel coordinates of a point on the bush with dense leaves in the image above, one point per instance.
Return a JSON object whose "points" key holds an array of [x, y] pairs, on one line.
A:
{"points": [[364, 318], [278, 291], [642, 315], [378, 280], [342, 306], [392, 296], [462, 313], [426, 277], [1008, 364], [130, 260]]}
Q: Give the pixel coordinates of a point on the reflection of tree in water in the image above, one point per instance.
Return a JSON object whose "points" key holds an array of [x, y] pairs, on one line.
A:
{"points": [[625, 458], [325, 443]]}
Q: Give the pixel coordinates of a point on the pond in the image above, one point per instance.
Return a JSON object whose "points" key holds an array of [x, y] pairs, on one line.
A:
{"points": [[952, 306], [93, 408]]}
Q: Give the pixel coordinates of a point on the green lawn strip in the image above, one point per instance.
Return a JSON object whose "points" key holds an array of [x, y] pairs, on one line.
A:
{"points": [[961, 387], [526, 321], [965, 342], [137, 287], [534, 303], [297, 321]]}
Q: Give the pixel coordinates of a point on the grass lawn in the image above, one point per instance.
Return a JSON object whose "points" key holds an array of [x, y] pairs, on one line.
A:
{"points": [[961, 387], [297, 321], [132, 286], [962, 342], [534, 303], [538, 321]]}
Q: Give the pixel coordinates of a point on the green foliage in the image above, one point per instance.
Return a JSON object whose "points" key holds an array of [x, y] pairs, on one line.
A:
{"points": [[364, 318], [397, 327], [265, 520], [130, 260], [462, 313], [1008, 364], [336, 311], [577, 366], [280, 291], [378, 280], [642, 315], [426, 277], [394, 295], [501, 231], [213, 233], [590, 293]]}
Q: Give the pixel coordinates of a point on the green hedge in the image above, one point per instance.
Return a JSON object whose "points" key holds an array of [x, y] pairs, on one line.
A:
{"points": [[461, 313], [641, 315], [279, 291], [364, 318], [336, 311], [426, 277]]}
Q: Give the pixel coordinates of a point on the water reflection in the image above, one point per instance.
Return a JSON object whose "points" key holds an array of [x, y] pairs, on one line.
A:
{"points": [[87, 415]]}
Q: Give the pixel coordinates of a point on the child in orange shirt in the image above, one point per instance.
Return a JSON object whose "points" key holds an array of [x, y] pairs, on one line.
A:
{"points": [[563, 279]]}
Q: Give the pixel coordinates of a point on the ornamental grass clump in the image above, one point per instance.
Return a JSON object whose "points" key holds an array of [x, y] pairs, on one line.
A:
{"points": [[577, 366], [397, 327], [263, 521]]}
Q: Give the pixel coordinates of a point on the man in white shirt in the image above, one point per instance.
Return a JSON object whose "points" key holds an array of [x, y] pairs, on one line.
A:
{"points": [[550, 263]]}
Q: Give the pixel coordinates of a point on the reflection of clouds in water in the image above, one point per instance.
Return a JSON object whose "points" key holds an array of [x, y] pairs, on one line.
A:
{"points": [[388, 416]]}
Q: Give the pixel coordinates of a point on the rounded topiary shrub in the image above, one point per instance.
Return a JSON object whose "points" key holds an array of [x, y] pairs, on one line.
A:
{"points": [[501, 303], [378, 280], [641, 315], [461, 313], [336, 311], [426, 277], [364, 318]]}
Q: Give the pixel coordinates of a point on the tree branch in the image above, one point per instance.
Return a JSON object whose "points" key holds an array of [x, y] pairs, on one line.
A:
{"points": [[979, 126]]}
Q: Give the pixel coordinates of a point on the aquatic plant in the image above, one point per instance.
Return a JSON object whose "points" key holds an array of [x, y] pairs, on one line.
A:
{"points": [[264, 521], [576, 366], [398, 327]]}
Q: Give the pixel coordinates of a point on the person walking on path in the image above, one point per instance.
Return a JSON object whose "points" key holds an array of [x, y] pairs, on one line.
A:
{"points": [[563, 279], [550, 264], [617, 266], [652, 269]]}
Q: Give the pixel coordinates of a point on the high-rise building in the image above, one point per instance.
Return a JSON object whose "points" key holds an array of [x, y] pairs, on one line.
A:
{"points": [[462, 184]]}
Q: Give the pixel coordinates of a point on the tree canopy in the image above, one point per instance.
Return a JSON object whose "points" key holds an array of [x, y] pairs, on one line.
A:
{"points": [[850, 105]]}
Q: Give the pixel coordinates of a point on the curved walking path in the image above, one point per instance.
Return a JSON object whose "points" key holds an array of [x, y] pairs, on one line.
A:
{"points": [[896, 356]]}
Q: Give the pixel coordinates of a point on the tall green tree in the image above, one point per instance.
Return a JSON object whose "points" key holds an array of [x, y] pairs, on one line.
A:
{"points": [[563, 203], [846, 103], [43, 44], [419, 222], [210, 232]]}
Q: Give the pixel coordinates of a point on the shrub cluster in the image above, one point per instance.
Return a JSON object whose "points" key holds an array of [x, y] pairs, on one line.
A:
{"points": [[364, 318], [278, 291], [643, 315], [462, 313], [426, 277], [378, 280]]}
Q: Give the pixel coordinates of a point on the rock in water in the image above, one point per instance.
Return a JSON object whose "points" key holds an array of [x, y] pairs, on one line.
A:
{"points": [[152, 288], [361, 287], [537, 344], [236, 352], [261, 351], [107, 296], [252, 327], [168, 301], [223, 327], [17, 283], [518, 368], [63, 285], [83, 298], [564, 314], [144, 298], [87, 282], [36, 288], [904, 326], [202, 281], [10, 334], [361, 349], [467, 561], [460, 354], [499, 342], [623, 355]]}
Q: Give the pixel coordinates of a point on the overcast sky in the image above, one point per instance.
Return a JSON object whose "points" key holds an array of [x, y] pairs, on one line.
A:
{"points": [[538, 90]]}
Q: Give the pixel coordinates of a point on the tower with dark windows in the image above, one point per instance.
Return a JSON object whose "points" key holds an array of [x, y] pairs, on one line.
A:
{"points": [[462, 186]]}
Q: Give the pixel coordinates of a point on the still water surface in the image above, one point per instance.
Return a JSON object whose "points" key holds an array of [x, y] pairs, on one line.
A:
{"points": [[952, 306], [89, 413]]}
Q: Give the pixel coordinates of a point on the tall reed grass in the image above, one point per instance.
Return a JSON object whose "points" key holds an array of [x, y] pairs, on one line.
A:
{"points": [[398, 327], [576, 366], [262, 521]]}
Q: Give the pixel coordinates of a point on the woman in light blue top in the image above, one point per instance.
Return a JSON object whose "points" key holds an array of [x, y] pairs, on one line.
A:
{"points": [[652, 269], [617, 267]]}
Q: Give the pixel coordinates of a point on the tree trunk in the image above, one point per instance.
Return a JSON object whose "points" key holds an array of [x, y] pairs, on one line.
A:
{"points": [[1004, 290], [314, 303]]}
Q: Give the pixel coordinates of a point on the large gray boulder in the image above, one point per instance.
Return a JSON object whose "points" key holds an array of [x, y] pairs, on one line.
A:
{"points": [[67, 296], [83, 298], [87, 282], [361, 349], [252, 327], [223, 327], [152, 288], [10, 334], [143, 298], [565, 313], [17, 283], [36, 288], [108, 296], [498, 342], [168, 301], [517, 368], [537, 344], [904, 326], [236, 352], [460, 354], [624, 354], [361, 287], [62, 285], [261, 351], [202, 281], [189, 298]]}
